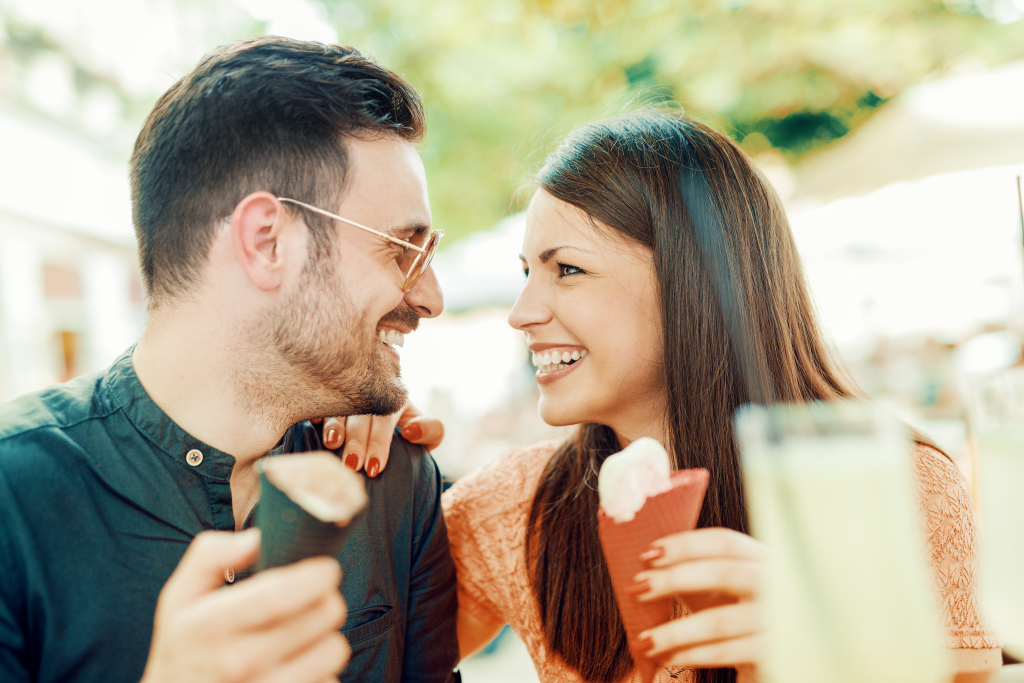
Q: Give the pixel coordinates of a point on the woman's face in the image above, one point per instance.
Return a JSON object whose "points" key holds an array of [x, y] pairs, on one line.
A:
{"points": [[590, 310]]}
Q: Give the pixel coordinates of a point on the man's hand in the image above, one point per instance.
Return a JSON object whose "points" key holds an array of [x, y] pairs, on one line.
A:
{"points": [[280, 626], [367, 439]]}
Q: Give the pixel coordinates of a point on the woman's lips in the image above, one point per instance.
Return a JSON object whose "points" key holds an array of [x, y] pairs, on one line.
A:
{"points": [[555, 375]]}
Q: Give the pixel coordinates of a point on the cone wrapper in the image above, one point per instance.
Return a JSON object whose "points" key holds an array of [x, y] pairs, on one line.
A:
{"points": [[667, 513], [291, 533]]}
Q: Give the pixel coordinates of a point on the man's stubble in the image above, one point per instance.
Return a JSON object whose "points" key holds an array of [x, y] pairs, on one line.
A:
{"points": [[319, 357]]}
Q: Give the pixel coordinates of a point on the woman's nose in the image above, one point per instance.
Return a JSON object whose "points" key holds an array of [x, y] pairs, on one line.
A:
{"points": [[529, 309]]}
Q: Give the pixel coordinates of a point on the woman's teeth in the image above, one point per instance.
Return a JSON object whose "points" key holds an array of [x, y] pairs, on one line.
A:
{"points": [[391, 337], [549, 361]]}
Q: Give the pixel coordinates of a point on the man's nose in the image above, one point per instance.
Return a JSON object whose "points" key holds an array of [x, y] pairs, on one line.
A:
{"points": [[426, 297]]}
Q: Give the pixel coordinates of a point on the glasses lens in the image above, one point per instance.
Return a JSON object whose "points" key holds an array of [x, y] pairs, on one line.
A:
{"points": [[422, 262]]}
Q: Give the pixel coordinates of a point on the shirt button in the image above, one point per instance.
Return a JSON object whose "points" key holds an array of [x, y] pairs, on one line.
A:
{"points": [[194, 457]]}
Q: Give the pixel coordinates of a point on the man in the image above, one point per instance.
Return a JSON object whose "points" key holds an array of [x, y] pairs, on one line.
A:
{"points": [[264, 312]]}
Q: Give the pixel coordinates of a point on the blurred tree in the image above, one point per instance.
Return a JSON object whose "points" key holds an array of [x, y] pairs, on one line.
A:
{"points": [[503, 79]]}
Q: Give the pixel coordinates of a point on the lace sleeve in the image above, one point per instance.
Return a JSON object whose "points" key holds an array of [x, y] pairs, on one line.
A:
{"points": [[486, 516], [950, 532]]}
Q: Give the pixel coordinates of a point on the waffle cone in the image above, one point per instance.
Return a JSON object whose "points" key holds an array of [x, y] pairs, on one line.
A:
{"points": [[662, 515], [291, 532]]}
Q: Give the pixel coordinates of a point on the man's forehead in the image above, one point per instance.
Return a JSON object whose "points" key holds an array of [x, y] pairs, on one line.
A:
{"points": [[386, 184]]}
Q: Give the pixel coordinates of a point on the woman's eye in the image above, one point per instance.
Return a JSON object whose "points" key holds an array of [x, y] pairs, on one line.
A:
{"points": [[526, 272], [564, 270]]}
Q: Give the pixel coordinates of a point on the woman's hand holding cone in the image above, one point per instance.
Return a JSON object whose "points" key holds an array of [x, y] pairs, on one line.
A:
{"points": [[717, 574]]}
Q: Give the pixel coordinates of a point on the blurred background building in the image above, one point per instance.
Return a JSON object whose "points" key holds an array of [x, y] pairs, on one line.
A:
{"points": [[894, 130]]}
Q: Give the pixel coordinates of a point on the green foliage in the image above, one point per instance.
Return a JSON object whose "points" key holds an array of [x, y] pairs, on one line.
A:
{"points": [[504, 79]]}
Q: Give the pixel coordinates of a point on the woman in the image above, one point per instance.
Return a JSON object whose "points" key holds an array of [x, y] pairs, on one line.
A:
{"points": [[624, 319], [616, 278]]}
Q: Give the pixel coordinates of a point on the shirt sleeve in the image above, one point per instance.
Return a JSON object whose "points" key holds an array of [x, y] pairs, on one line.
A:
{"points": [[487, 512], [431, 645], [472, 552], [951, 536], [14, 666]]}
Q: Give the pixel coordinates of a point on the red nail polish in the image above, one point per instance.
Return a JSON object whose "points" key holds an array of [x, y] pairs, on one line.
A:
{"points": [[638, 587], [412, 432], [352, 461], [645, 644], [653, 554], [331, 435], [373, 467]]}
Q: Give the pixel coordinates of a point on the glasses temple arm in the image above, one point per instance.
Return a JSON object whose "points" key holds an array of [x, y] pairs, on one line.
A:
{"points": [[389, 238]]}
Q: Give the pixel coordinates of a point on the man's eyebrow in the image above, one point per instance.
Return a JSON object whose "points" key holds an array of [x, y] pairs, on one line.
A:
{"points": [[546, 255]]}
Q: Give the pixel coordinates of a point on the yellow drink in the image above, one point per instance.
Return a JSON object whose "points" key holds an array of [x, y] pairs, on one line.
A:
{"points": [[1001, 479], [847, 596]]}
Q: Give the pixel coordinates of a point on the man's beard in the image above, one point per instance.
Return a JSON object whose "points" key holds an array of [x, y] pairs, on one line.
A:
{"points": [[321, 355]]}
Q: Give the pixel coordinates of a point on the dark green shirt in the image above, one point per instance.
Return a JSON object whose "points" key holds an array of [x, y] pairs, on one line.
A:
{"points": [[98, 502]]}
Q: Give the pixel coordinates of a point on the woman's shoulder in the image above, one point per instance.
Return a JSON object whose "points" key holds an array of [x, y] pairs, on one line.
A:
{"points": [[507, 482], [935, 472], [950, 531], [945, 500]]}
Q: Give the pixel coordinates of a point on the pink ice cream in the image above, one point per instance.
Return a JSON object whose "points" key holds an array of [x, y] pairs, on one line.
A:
{"points": [[629, 478], [641, 502]]}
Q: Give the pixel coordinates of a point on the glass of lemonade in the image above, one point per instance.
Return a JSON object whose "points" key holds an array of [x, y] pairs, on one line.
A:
{"points": [[996, 410], [848, 594]]}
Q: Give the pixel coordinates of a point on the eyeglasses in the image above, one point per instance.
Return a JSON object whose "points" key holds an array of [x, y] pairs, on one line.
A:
{"points": [[419, 264]]}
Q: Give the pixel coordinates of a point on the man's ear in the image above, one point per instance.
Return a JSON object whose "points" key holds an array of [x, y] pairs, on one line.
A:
{"points": [[258, 225]]}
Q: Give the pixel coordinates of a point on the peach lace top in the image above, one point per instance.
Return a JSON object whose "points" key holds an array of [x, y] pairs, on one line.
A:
{"points": [[486, 513]]}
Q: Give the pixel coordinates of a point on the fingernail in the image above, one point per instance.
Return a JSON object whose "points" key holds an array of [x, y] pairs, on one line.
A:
{"points": [[645, 644], [373, 467], [331, 436], [412, 432], [352, 461], [638, 586], [653, 554]]}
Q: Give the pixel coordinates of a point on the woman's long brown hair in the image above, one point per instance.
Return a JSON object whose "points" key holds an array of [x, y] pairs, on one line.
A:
{"points": [[630, 175]]}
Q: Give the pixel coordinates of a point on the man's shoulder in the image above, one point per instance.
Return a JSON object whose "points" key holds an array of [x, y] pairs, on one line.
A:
{"points": [[421, 464], [411, 474], [44, 435], [408, 464], [52, 410]]}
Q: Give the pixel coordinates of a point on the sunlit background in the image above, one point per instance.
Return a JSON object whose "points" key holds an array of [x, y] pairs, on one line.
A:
{"points": [[894, 130]]}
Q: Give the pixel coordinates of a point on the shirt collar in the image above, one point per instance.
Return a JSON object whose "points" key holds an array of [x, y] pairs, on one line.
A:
{"points": [[168, 438]]}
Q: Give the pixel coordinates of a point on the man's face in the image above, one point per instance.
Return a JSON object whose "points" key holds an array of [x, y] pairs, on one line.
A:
{"points": [[329, 327]]}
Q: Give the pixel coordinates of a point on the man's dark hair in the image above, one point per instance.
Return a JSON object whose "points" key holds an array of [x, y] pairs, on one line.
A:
{"points": [[265, 114]]}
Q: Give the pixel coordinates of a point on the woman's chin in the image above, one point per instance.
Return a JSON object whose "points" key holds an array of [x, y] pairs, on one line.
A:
{"points": [[561, 413]]}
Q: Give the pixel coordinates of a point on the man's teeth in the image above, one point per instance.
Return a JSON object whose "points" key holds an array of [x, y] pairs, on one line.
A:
{"points": [[391, 337], [549, 361]]}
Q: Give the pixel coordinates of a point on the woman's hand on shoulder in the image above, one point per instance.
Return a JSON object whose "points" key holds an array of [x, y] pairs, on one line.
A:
{"points": [[367, 438], [717, 573]]}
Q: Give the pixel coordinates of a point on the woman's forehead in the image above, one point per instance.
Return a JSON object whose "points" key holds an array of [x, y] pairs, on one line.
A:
{"points": [[551, 220], [552, 223]]}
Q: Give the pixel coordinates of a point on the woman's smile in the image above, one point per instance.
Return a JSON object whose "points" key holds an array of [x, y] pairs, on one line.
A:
{"points": [[554, 364]]}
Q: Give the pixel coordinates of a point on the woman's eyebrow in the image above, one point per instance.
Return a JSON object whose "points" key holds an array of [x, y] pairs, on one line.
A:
{"points": [[546, 255]]}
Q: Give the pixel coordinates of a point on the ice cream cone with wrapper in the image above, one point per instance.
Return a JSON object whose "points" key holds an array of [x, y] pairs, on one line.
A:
{"points": [[306, 507], [642, 500]]}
